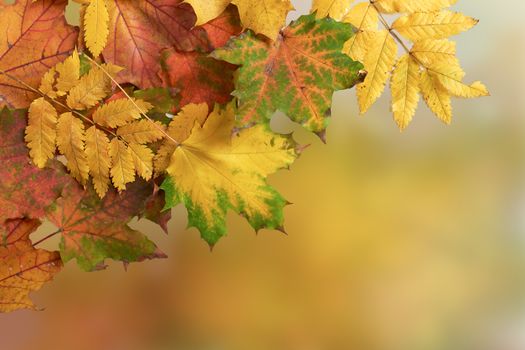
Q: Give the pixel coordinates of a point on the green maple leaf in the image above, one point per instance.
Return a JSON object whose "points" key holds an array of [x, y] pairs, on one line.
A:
{"points": [[297, 74]]}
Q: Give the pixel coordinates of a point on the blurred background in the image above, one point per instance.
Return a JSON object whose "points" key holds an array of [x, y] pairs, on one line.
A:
{"points": [[412, 241]]}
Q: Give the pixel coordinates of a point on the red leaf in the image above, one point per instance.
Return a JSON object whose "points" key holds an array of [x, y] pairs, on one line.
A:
{"points": [[198, 77], [222, 28], [33, 37], [141, 29]]}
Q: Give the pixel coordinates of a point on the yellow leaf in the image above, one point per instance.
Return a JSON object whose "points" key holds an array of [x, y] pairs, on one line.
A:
{"points": [[97, 151], [96, 26], [69, 73], [90, 90], [206, 10], [179, 129], [141, 131], [378, 62], [70, 141], [451, 76], [431, 51], [122, 165], [405, 90], [47, 83], [365, 18], [266, 17], [120, 112], [436, 97], [41, 131], [401, 6], [335, 9], [433, 25], [142, 159], [214, 172]]}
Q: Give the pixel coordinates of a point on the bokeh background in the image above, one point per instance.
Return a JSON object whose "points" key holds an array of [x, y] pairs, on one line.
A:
{"points": [[412, 241]]}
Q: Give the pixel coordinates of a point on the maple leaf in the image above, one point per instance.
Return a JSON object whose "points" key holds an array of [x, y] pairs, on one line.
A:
{"points": [[296, 74], [429, 67], [33, 36], [95, 229], [140, 30], [212, 172], [23, 268], [198, 77]]}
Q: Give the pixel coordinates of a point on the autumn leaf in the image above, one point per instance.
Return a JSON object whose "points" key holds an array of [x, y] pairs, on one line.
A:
{"points": [[198, 77], [335, 9], [96, 26], [297, 74], [33, 37], [429, 67], [140, 30], [212, 172], [23, 268], [95, 229]]}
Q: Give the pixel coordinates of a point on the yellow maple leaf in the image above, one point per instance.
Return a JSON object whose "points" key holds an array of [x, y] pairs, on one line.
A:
{"points": [[96, 26]]}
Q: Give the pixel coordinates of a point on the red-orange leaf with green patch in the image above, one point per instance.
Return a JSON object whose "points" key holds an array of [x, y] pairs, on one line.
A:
{"points": [[297, 74], [198, 77], [95, 229], [33, 37], [23, 268]]}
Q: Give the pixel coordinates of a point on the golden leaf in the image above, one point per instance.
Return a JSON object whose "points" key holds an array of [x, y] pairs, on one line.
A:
{"points": [[41, 131], [97, 151], [141, 131], [90, 90], [96, 26], [122, 165], [267, 17], [405, 90], [70, 141], [47, 83], [69, 73], [120, 112], [335, 9], [436, 97], [142, 159], [395, 6], [365, 18]]}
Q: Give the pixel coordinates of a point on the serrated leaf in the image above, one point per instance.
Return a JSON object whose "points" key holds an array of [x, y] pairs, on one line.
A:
{"points": [[95, 229], [410, 6], [23, 268], [41, 131], [379, 62], [122, 165], [120, 112], [405, 90], [436, 97], [297, 74], [433, 25], [68, 74], [70, 142], [90, 90], [96, 26], [211, 172], [451, 76], [206, 10], [33, 37], [365, 18], [431, 51], [142, 159], [99, 161], [47, 84], [141, 132], [335, 9]]}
